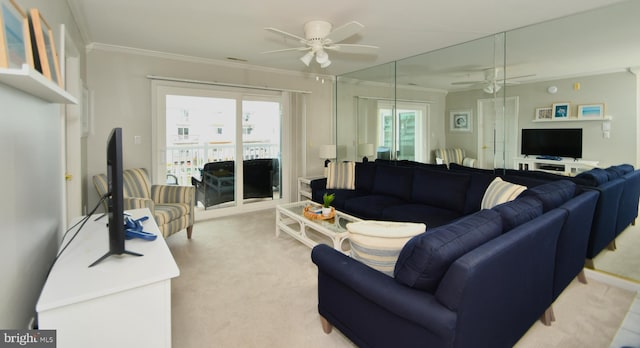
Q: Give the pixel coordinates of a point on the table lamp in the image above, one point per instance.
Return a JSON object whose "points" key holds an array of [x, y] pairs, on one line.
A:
{"points": [[365, 150], [327, 152]]}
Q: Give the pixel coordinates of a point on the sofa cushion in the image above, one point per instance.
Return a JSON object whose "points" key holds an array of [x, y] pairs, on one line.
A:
{"points": [[441, 189], [341, 175], [426, 257], [500, 191], [552, 194], [370, 206], [518, 211], [624, 168], [394, 181], [365, 176], [477, 187], [431, 216], [594, 177], [377, 244]]}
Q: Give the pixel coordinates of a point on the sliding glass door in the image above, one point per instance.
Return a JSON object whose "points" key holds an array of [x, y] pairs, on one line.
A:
{"points": [[226, 142], [401, 130]]}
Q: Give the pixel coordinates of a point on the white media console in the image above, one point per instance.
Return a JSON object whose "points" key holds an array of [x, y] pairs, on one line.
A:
{"points": [[565, 166], [124, 301]]}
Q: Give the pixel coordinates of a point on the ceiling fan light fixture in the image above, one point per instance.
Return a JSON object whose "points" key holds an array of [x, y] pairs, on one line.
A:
{"points": [[491, 88], [323, 59], [306, 59]]}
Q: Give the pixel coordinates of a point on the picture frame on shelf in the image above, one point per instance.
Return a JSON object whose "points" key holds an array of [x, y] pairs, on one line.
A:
{"points": [[544, 113], [460, 121], [45, 57], [561, 110], [591, 111], [15, 41]]}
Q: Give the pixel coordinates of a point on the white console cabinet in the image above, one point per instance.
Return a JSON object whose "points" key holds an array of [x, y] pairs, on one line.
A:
{"points": [[123, 301], [565, 166]]}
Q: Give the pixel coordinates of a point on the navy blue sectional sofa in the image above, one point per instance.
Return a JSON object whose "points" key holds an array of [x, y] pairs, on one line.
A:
{"points": [[436, 195], [480, 280]]}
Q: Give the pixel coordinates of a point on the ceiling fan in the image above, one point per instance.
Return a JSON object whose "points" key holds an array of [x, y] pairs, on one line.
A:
{"points": [[319, 37], [492, 81]]}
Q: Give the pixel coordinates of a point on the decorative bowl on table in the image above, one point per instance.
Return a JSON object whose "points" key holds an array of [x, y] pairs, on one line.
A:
{"points": [[315, 213]]}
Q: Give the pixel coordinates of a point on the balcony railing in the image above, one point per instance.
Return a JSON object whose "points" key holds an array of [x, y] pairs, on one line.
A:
{"points": [[183, 161]]}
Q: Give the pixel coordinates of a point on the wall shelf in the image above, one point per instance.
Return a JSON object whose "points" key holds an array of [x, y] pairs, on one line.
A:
{"points": [[605, 118], [33, 82]]}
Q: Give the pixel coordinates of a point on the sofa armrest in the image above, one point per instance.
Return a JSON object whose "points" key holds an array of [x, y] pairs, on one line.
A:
{"points": [[413, 305], [502, 287], [469, 162], [173, 194], [138, 203], [318, 184]]}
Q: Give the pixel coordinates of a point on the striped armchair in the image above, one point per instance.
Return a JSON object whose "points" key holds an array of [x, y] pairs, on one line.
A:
{"points": [[172, 206], [455, 155]]}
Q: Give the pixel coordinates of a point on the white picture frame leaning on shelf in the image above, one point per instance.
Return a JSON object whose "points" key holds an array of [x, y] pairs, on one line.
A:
{"points": [[460, 121], [561, 110], [15, 41], [591, 111], [544, 113]]}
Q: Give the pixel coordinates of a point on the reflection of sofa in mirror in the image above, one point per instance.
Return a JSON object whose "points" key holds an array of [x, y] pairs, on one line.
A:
{"points": [[216, 184], [454, 155]]}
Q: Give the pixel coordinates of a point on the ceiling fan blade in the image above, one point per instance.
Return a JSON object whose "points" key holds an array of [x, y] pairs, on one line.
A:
{"points": [[288, 49], [284, 33], [467, 82], [345, 31], [352, 48], [519, 77]]}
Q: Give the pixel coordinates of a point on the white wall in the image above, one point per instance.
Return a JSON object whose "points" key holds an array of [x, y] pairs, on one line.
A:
{"points": [[32, 177], [122, 98], [617, 90]]}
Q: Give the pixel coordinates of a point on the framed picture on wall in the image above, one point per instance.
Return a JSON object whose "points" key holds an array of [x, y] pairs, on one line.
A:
{"points": [[15, 41], [591, 111], [45, 58], [460, 121], [544, 113], [561, 110]]}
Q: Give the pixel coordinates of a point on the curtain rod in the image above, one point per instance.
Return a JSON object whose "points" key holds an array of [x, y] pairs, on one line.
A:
{"points": [[401, 100], [214, 83]]}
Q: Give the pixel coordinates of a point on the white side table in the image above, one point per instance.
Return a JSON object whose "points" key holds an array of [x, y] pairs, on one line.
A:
{"points": [[304, 187]]}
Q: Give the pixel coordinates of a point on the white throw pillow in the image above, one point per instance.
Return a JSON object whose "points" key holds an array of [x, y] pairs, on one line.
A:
{"points": [[377, 244], [500, 191]]}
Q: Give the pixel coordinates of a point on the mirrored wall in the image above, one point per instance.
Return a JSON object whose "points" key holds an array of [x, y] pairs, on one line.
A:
{"points": [[479, 95]]}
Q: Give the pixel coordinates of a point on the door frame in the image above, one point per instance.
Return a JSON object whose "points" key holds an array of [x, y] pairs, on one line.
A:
{"points": [[513, 145]]}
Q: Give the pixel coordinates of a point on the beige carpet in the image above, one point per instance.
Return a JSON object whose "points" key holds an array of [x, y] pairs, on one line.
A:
{"points": [[625, 260], [240, 286]]}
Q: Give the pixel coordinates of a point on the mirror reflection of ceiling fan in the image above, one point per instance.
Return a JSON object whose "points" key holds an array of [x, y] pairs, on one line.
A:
{"points": [[492, 82], [319, 37]]}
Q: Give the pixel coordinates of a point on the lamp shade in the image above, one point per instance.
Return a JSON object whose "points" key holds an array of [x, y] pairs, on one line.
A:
{"points": [[327, 151], [365, 149]]}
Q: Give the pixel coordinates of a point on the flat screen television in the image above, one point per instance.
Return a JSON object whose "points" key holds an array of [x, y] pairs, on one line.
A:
{"points": [[560, 142], [115, 199]]}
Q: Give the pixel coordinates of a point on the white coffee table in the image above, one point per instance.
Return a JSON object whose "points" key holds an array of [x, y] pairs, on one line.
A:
{"points": [[290, 219]]}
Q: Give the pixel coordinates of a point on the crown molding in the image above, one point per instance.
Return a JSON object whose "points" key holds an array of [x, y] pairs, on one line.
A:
{"points": [[95, 46]]}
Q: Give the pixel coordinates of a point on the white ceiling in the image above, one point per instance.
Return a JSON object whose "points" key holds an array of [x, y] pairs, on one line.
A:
{"points": [[235, 29]]}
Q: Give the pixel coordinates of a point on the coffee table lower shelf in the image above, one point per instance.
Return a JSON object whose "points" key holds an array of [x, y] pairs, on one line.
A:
{"points": [[291, 220]]}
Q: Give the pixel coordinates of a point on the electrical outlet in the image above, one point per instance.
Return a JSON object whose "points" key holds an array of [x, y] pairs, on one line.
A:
{"points": [[137, 139]]}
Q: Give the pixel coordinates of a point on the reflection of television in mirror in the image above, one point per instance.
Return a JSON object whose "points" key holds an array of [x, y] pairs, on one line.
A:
{"points": [[115, 200], [561, 142]]}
